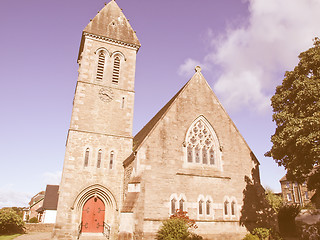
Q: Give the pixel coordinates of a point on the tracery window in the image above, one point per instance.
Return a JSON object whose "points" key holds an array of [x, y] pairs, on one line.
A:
{"points": [[100, 67], [116, 70], [201, 143], [99, 158], [111, 159], [86, 157]]}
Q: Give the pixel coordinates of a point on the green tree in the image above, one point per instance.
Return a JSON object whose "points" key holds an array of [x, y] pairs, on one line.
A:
{"points": [[274, 200], [10, 222], [296, 107]]}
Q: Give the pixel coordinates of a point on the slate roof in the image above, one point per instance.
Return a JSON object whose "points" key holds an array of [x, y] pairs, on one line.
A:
{"points": [[51, 197], [110, 22]]}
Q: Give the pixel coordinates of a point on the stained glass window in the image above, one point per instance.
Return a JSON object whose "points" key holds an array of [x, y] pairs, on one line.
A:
{"points": [[201, 144], [200, 207], [181, 203], [208, 207], [111, 159], [226, 206], [233, 211], [173, 206]]}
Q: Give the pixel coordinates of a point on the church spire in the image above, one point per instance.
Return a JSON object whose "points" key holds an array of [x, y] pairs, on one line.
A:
{"points": [[111, 23]]}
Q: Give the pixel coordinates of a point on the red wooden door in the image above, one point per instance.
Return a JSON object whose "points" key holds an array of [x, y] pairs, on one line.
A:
{"points": [[93, 215]]}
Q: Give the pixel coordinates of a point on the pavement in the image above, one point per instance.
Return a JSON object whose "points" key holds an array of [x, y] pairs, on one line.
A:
{"points": [[35, 236]]}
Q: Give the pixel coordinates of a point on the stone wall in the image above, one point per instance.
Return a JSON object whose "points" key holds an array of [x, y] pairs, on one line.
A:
{"points": [[39, 227]]}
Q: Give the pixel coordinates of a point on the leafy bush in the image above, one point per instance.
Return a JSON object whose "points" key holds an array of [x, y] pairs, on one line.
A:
{"points": [[10, 222], [194, 236], [173, 229], [176, 228], [250, 236], [286, 216], [261, 233], [33, 220]]}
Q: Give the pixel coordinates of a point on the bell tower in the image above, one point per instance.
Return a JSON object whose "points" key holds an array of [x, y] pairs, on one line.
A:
{"points": [[100, 134]]}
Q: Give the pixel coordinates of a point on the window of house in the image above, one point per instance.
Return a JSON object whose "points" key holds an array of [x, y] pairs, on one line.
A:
{"points": [[201, 143], [226, 207], [116, 70], [306, 195], [173, 205], [111, 159], [100, 67], [99, 158], [181, 204], [208, 205], [233, 208], [86, 157], [200, 207], [289, 197]]}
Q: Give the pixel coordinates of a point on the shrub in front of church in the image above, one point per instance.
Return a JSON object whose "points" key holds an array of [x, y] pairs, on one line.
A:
{"points": [[177, 228], [33, 220], [10, 222], [250, 236]]}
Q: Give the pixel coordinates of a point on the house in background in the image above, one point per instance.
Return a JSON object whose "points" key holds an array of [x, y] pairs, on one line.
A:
{"points": [[43, 205], [35, 203], [294, 193], [48, 211]]}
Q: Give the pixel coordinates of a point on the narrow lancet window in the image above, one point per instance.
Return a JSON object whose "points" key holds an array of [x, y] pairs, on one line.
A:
{"points": [[99, 158], [197, 154], [212, 157], [111, 159], [181, 203], [204, 155], [173, 206], [200, 207], [116, 70], [208, 207], [189, 152], [86, 158], [100, 67], [226, 206], [233, 210]]}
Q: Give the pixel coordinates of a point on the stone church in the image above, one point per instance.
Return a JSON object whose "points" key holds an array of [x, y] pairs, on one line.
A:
{"points": [[189, 156]]}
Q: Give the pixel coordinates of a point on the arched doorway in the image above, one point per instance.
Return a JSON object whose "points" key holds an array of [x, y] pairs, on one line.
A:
{"points": [[93, 214]]}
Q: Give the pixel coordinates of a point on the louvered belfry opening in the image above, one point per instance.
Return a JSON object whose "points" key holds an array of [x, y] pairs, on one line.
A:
{"points": [[116, 70], [100, 68]]}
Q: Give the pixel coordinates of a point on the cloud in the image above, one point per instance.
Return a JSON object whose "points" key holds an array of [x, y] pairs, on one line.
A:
{"points": [[187, 68], [12, 198], [52, 178], [253, 57]]}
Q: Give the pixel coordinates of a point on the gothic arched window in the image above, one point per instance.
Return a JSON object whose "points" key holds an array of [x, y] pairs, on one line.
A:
{"points": [[233, 208], [116, 70], [173, 205], [99, 158], [200, 207], [208, 205], [181, 205], [202, 145], [86, 157], [226, 207], [100, 67], [111, 159]]}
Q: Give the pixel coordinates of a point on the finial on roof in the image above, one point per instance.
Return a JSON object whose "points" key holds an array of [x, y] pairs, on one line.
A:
{"points": [[105, 3], [197, 68]]}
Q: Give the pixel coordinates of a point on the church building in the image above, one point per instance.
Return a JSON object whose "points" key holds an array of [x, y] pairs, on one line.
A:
{"points": [[189, 156]]}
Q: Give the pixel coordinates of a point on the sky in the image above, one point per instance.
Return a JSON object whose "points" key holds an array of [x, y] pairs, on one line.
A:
{"points": [[243, 47]]}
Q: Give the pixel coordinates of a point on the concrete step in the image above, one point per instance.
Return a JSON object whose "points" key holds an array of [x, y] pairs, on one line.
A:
{"points": [[92, 236]]}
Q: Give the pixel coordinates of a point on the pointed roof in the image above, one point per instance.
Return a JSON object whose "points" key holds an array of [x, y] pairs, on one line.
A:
{"points": [[110, 22], [144, 132], [147, 129]]}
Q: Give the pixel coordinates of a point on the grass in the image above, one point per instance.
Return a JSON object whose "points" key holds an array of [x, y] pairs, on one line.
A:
{"points": [[9, 237]]}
